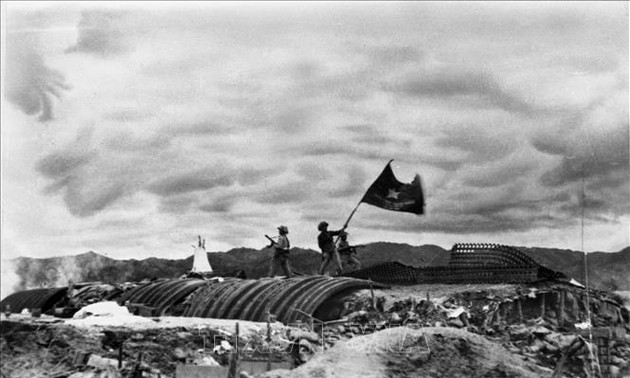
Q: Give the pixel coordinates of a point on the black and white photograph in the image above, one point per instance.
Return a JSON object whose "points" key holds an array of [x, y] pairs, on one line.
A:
{"points": [[292, 189]]}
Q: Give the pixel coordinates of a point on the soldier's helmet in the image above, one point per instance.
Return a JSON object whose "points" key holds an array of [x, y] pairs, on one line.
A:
{"points": [[322, 226], [283, 229]]}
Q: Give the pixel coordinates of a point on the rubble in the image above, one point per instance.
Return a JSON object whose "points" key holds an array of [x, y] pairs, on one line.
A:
{"points": [[527, 324]]}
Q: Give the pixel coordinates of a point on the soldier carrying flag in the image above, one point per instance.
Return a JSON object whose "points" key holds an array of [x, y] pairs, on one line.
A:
{"points": [[385, 192]]}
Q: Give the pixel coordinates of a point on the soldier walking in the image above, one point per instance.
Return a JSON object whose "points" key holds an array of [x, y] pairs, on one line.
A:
{"points": [[281, 253]]}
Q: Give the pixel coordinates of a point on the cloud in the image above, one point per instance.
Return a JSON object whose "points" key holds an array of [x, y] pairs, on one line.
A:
{"points": [[91, 178], [396, 54], [198, 129], [178, 204], [103, 33], [594, 145], [286, 193], [466, 88], [474, 145], [371, 135], [219, 205], [227, 118], [354, 183], [31, 84], [497, 174], [64, 163], [83, 195], [191, 181], [312, 171]]}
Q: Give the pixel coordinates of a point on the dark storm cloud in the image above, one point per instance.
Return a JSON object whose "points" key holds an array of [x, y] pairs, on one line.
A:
{"points": [[586, 155], [354, 184], [197, 129], [291, 192], [83, 203], [125, 115], [478, 145], [589, 205], [201, 179], [178, 204], [103, 33], [220, 175], [74, 173], [61, 163], [324, 148], [312, 172], [30, 84], [130, 143], [443, 162], [396, 54], [474, 89], [248, 175], [371, 134], [498, 218], [492, 177], [218, 205]]}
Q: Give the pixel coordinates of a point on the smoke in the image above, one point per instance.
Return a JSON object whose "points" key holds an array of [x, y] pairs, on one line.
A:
{"points": [[30, 84], [10, 280], [102, 33], [28, 273]]}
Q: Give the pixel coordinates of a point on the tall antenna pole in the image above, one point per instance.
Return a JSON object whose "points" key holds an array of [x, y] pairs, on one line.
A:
{"points": [[588, 305], [582, 202]]}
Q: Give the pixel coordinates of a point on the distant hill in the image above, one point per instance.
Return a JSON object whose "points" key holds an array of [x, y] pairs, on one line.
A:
{"points": [[610, 271], [606, 270]]}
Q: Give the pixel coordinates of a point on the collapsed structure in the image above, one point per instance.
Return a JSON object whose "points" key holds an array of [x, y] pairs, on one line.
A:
{"points": [[306, 297], [288, 300], [469, 263]]}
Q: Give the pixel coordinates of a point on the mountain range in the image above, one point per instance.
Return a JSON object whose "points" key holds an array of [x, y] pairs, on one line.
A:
{"points": [[607, 271]]}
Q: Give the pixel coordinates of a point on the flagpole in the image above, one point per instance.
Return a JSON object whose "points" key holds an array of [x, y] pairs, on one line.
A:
{"points": [[345, 225]]}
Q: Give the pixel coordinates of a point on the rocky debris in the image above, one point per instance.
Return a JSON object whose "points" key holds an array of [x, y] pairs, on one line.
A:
{"points": [[536, 333], [38, 347], [429, 352]]}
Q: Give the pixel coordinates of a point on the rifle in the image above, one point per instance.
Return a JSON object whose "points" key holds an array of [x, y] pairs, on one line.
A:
{"points": [[351, 249], [273, 242]]}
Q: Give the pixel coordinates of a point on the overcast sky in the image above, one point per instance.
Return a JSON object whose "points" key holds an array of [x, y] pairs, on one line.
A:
{"points": [[129, 129]]}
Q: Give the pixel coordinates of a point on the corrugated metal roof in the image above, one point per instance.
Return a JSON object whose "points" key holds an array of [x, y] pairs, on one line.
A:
{"points": [[162, 295], [44, 299], [230, 298], [250, 299]]}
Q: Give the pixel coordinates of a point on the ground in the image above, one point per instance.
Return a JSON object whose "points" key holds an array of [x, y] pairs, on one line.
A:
{"points": [[419, 332]]}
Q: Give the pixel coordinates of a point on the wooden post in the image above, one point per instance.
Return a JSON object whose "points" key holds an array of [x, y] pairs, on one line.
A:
{"points": [[542, 306], [561, 317], [236, 343], [269, 339], [520, 310], [497, 315], [120, 356], [372, 294]]}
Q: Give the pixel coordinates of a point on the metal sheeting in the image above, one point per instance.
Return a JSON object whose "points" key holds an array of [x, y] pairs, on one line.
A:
{"points": [[470, 255], [161, 295], [285, 298], [44, 299], [469, 263], [390, 272]]}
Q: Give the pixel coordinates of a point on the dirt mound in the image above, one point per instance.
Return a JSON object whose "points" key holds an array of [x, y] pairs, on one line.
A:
{"points": [[405, 352]]}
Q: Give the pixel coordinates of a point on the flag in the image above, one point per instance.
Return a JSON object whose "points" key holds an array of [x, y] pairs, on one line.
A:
{"points": [[389, 193]]}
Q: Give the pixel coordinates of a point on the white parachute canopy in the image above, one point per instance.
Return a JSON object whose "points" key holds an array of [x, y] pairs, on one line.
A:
{"points": [[200, 262]]}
